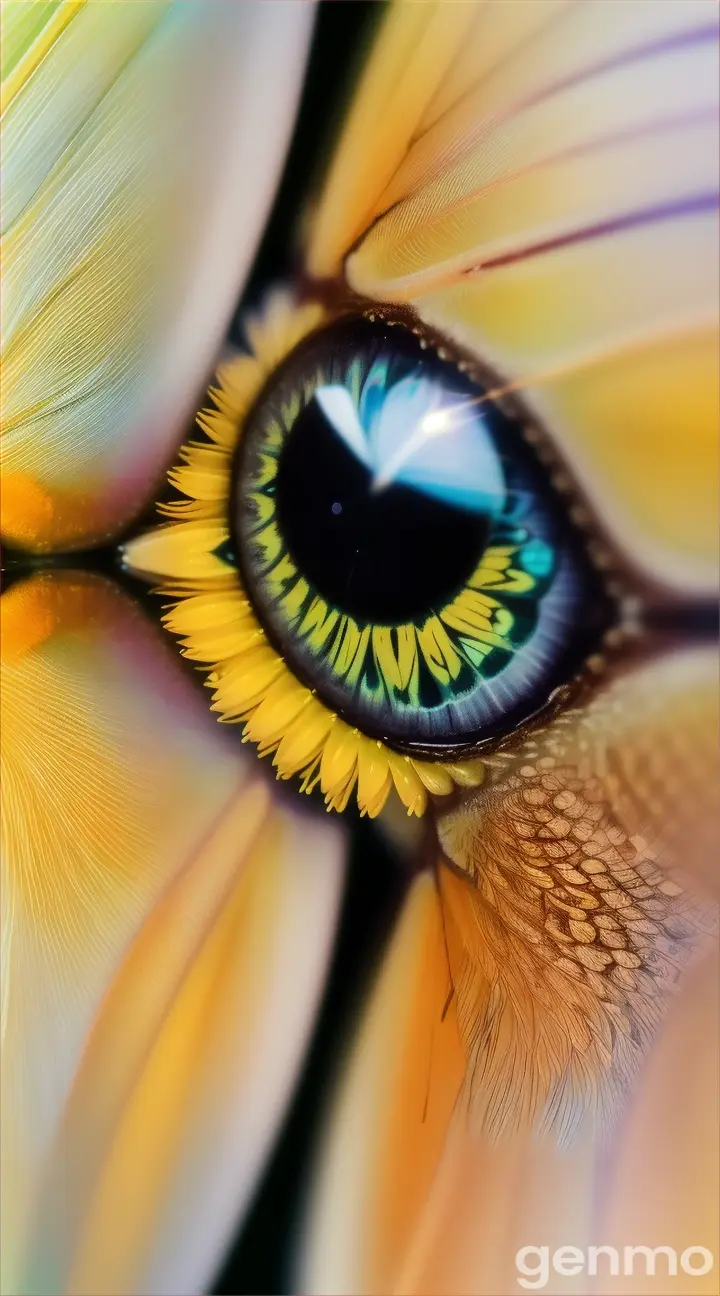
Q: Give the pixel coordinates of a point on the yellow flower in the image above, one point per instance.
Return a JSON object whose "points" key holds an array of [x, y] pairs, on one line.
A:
{"points": [[218, 627]]}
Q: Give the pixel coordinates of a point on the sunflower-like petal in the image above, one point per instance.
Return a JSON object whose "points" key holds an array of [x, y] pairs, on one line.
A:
{"points": [[374, 778], [284, 701], [304, 740], [339, 759], [186, 551]]}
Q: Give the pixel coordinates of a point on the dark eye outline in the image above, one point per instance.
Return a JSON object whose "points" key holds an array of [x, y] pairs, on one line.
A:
{"points": [[573, 520]]}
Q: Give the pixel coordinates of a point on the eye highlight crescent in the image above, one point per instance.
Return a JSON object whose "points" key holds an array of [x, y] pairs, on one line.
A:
{"points": [[374, 567]]}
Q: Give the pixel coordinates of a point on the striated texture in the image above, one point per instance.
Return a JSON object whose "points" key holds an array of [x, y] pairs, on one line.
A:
{"points": [[582, 851]]}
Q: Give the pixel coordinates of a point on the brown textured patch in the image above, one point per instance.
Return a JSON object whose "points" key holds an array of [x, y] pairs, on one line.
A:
{"points": [[590, 851]]}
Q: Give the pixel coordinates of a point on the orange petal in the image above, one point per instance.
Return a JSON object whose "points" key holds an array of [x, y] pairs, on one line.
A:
{"points": [[558, 1128], [388, 1128], [505, 1211], [664, 1184]]}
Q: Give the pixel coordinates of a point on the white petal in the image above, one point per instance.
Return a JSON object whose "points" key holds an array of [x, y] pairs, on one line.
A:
{"points": [[136, 189]]}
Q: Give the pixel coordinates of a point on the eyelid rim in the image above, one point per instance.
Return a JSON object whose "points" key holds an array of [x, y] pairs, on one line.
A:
{"points": [[643, 616], [615, 585]]}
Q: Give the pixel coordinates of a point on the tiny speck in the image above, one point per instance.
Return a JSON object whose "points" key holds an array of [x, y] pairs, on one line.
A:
{"points": [[337, 508]]}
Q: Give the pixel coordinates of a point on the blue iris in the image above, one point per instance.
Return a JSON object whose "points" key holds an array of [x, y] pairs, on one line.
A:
{"points": [[537, 558]]}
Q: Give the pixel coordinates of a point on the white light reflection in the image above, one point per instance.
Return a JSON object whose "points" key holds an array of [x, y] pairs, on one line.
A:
{"points": [[394, 432]]}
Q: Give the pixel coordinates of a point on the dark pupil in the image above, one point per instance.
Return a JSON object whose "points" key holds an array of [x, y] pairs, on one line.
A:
{"points": [[384, 557]]}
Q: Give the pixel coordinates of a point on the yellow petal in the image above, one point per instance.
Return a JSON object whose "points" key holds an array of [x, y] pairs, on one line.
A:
{"points": [[208, 485], [339, 756], [408, 783], [245, 680], [434, 777], [374, 780], [133, 198], [207, 610], [304, 739], [214, 646], [185, 551], [113, 772], [278, 709]]}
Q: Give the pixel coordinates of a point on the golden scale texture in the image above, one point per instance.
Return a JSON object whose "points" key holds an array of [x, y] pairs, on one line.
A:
{"points": [[579, 922]]}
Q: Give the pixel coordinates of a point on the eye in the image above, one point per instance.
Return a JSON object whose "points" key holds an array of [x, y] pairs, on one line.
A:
{"points": [[386, 580], [401, 545]]}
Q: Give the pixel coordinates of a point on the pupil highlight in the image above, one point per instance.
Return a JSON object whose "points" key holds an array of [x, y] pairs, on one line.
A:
{"points": [[386, 555]]}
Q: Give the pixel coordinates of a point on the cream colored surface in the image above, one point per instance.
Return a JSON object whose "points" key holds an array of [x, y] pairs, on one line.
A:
{"points": [[158, 985], [134, 195]]}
